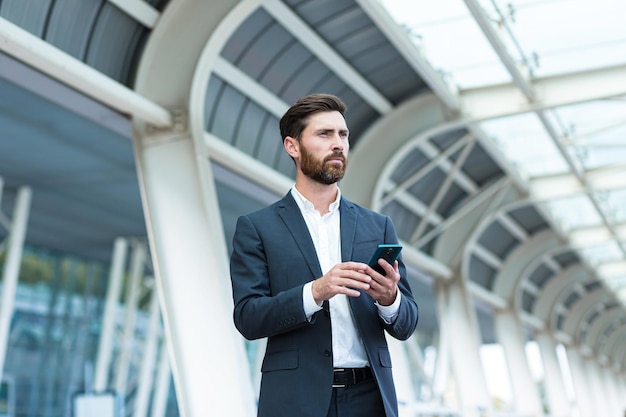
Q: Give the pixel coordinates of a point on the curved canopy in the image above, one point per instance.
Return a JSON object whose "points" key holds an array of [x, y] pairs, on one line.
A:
{"points": [[516, 180]]}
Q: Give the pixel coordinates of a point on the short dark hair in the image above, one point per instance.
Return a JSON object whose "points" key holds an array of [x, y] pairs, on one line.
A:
{"points": [[295, 119]]}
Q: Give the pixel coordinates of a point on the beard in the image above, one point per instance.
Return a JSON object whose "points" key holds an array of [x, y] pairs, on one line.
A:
{"points": [[323, 171]]}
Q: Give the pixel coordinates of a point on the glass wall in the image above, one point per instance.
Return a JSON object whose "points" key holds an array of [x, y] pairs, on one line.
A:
{"points": [[55, 333]]}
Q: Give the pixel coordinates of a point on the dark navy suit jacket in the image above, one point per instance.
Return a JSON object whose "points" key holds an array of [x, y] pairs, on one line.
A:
{"points": [[273, 258]]}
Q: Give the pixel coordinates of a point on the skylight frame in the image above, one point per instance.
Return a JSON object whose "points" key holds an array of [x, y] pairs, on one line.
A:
{"points": [[447, 29]]}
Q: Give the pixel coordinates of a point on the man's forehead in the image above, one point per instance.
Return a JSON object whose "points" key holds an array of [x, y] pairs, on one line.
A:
{"points": [[330, 119]]}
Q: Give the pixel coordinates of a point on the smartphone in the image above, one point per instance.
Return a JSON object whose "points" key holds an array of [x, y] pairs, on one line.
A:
{"points": [[388, 251]]}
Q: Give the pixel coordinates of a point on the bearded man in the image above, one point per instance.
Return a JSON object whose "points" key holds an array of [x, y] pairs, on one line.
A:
{"points": [[300, 278]]}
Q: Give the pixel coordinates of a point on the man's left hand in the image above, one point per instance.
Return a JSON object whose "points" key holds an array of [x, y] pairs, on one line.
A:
{"points": [[384, 288]]}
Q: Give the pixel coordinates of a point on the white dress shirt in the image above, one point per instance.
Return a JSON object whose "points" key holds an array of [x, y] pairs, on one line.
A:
{"points": [[348, 349]]}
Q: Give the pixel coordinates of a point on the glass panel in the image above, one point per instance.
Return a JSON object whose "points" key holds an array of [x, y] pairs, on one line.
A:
{"points": [[544, 38]]}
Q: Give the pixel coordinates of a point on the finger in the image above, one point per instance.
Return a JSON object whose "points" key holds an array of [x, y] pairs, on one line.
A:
{"points": [[357, 275], [354, 266], [377, 291], [375, 294], [392, 272], [387, 267], [356, 284], [381, 279], [349, 292], [377, 285], [384, 289], [383, 294]]}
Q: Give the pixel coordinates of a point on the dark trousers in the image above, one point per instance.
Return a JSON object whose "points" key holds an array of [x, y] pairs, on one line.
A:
{"points": [[360, 400]]}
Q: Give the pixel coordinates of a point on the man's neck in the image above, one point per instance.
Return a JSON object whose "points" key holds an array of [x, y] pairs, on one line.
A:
{"points": [[321, 195]]}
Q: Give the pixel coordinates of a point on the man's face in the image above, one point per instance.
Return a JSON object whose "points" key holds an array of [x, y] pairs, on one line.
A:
{"points": [[324, 147]]}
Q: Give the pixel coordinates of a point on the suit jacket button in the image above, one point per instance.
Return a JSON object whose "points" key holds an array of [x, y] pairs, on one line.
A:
{"points": [[327, 353]]}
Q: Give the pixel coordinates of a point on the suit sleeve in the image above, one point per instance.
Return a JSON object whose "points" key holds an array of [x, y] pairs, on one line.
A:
{"points": [[404, 325], [258, 311]]}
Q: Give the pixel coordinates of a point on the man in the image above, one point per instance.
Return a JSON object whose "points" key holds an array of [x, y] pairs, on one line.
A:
{"points": [[300, 278]]}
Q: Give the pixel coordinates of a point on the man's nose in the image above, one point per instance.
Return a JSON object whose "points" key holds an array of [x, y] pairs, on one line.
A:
{"points": [[338, 142]]}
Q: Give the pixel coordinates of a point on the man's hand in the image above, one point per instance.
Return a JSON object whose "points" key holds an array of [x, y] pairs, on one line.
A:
{"points": [[344, 278], [384, 288]]}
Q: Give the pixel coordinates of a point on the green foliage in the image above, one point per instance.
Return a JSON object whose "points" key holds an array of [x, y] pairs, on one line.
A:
{"points": [[43, 267], [34, 270]]}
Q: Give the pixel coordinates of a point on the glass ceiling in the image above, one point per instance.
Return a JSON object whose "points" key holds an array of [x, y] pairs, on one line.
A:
{"points": [[556, 150]]}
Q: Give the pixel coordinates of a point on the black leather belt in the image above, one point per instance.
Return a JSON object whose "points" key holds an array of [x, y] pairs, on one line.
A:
{"points": [[342, 377]]}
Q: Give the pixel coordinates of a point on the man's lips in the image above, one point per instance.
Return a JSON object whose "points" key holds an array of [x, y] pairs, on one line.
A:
{"points": [[336, 158]]}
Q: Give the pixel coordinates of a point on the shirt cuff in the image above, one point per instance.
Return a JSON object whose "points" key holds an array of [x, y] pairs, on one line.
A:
{"points": [[308, 302], [390, 312]]}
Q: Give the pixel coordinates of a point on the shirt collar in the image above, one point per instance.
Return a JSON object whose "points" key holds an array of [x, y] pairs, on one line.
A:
{"points": [[306, 205]]}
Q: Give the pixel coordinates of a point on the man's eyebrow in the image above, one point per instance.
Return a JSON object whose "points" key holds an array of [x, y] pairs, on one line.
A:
{"points": [[326, 130]]}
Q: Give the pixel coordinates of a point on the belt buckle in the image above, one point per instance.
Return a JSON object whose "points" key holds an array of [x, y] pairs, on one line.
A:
{"points": [[338, 385]]}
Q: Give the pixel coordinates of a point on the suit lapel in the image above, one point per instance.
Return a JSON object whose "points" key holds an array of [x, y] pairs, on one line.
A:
{"points": [[290, 214], [349, 219], [348, 228]]}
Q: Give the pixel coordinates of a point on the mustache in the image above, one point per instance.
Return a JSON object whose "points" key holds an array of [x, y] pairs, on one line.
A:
{"points": [[336, 155]]}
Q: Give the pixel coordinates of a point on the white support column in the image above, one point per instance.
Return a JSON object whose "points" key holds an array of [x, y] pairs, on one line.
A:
{"points": [[187, 242], [107, 334], [556, 393], [581, 383], [148, 361], [596, 387], [190, 256], [621, 389], [610, 390], [128, 335], [510, 335], [162, 384], [12, 263], [617, 394], [466, 361], [441, 375], [405, 389], [423, 391]]}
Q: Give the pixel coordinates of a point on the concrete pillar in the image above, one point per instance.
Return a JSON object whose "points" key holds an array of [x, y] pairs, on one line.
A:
{"points": [[187, 243], [402, 378], [621, 390], [148, 359], [12, 262], [583, 399], [556, 393], [441, 374], [596, 388], [107, 333], [610, 392], [466, 365], [193, 277], [510, 334], [130, 317], [161, 385]]}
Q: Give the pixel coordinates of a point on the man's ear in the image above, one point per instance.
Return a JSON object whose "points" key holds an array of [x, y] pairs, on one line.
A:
{"points": [[291, 146]]}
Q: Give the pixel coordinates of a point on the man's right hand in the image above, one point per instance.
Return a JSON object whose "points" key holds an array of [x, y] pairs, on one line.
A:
{"points": [[344, 278]]}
